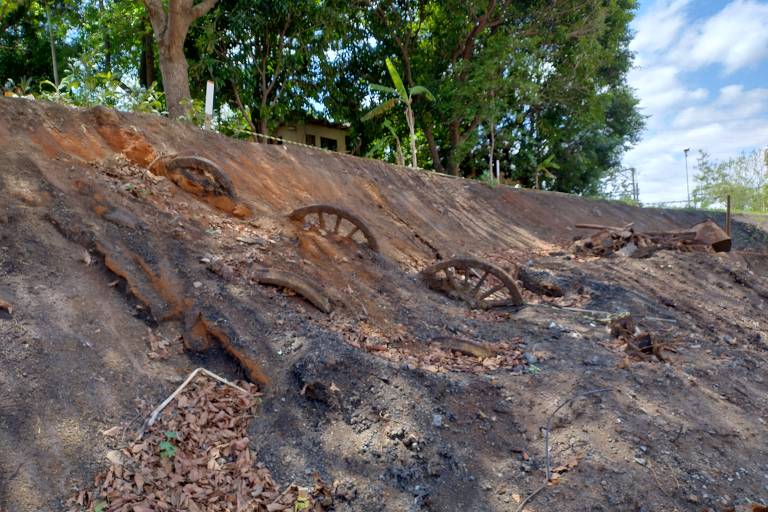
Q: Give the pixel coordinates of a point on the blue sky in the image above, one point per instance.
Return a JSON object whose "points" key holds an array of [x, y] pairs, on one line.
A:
{"points": [[701, 74]]}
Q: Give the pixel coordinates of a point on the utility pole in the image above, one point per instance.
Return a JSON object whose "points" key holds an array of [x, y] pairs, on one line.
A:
{"points": [[687, 186], [209, 104], [635, 189]]}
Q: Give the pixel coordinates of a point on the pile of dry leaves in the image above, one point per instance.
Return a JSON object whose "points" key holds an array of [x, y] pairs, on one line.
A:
{"points": [[196, 457], [442, 354], [458, 355]]}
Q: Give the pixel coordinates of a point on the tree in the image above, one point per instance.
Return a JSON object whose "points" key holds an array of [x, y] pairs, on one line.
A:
{"points": [[265, 55], [170, 25], [620, 184], [543, 77], [30, 32], [744, 178], [402, 96]]}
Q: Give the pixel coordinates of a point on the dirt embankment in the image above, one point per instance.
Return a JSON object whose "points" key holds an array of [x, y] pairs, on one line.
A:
{"points": [[125, 268]]}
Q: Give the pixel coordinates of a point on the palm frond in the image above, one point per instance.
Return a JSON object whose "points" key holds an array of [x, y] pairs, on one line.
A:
{"points": [[383, 88], [420, 89], [381, 109], [397, 81]]}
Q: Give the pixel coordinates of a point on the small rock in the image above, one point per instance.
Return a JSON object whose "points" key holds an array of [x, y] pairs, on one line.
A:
{"points": [[595, 361], [251, 240], [627, 250], [693, 498], [437, 420], [502, 407], [197, 284], [640, 461], [530, 358]]}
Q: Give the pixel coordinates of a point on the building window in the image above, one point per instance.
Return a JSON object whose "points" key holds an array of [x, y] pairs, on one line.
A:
{"points": [[310, 140], [331, 144]]}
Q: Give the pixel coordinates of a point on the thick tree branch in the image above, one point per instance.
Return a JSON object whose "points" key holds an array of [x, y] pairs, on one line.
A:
{"points": [[279, 56], [157, 17], [202, 8]]}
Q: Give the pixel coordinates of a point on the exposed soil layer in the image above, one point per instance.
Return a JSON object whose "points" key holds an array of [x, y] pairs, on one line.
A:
{"points": [[119, 281]]}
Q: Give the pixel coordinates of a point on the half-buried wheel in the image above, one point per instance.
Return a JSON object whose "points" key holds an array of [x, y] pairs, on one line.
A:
{"points": [[333, 221], [479, 284]]}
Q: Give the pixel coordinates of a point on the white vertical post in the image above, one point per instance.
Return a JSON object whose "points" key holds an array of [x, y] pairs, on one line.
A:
{"points": [[498, 173], [209, 104]]}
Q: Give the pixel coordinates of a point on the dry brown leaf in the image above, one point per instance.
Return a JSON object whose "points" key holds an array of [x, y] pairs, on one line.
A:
{"points": [[571, 463]]}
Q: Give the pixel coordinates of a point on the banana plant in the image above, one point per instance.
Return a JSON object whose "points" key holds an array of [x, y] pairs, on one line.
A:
{"points": [[544, 168], [398, 147], [402, 96]]}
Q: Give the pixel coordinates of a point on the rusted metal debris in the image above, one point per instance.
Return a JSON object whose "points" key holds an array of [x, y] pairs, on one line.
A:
{"points": [[332, 220], [295, 283], [709, 233], [203, 178], [479, 284], [625, 241], [624, 328]]}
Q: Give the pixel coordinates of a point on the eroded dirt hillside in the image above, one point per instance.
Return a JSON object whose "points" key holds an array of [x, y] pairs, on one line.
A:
{"points": [[122, 270]]}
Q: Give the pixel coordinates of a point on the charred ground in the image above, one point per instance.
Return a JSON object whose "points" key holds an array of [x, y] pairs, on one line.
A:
{"points": [[124, 274]]}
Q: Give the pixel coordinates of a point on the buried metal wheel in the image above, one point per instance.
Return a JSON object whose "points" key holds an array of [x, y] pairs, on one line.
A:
{"points": [[479, 284], [294, 282], [195, 174], [331, 220]]}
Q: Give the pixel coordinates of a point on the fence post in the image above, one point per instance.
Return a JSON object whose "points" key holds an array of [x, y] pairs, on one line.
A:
{"points": [[728, 215], [208, 104]]}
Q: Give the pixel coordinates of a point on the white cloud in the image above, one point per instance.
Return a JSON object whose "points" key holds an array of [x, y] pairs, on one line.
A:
{"points": [[660, 161], [670, 45], [658, 29], [735, 37], [659, 88], [733, 103]]}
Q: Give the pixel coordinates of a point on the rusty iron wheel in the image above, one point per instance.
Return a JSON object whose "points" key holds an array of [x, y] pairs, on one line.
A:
{"points": [[294, 282], [479, 284], [205, 176], [331, 220]]}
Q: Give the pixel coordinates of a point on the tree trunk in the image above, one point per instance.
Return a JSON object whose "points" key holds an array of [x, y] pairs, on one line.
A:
{"points": [[245, 113], [53, 48], [107, 41], [173, 66], [170, 24], [263, 129], [399, 155], [412, 129], [436, 162], [455, 138], [147, 64], [492, 148]]}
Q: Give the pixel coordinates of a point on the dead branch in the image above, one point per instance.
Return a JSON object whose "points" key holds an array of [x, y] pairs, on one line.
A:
{"points": [[548, 465], [153, 417]]}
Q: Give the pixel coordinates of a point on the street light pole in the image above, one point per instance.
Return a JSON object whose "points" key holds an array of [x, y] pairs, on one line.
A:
{"points": [[687, 186], [635, 188]]}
